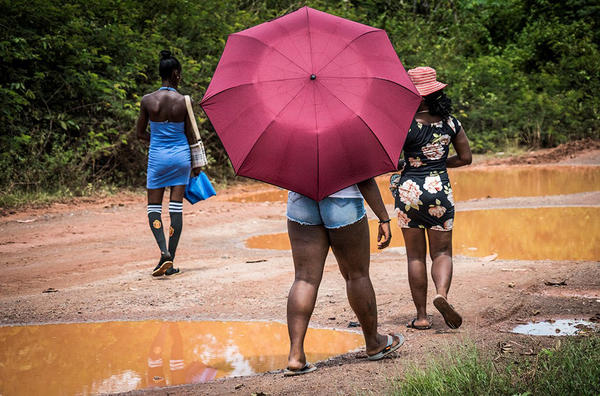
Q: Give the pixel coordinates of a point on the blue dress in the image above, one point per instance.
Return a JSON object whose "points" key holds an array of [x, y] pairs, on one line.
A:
{"points": [[169, 161]]}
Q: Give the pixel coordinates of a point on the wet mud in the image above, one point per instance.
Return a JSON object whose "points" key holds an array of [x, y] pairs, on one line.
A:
{"points": [[90, 261]]}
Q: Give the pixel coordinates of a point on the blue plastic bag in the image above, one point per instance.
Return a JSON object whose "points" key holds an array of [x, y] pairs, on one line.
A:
{"points": [[199, 189]]}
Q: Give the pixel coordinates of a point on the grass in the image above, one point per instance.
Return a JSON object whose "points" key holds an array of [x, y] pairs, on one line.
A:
{"points": [[570, 368]]}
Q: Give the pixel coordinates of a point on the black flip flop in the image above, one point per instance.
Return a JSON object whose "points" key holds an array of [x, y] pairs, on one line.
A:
{"points": [[451, 317], [412, 325]]}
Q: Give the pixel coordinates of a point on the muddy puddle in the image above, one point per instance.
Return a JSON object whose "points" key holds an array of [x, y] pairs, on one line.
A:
{"points": [[554, 233], [522, 181], [491, 182], [560, 327], [93, 358]]}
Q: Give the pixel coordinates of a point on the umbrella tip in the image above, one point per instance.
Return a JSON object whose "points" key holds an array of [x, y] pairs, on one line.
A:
{"points": [[313, 76]]}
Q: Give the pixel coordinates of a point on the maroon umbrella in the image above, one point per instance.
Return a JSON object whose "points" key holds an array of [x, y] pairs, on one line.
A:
{"points": [[311, 102]]}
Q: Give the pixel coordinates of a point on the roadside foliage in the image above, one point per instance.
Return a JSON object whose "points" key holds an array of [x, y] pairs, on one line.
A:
{"points": [[520, 73]]}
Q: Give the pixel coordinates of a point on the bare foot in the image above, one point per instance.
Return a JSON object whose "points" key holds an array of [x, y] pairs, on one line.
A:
{"points": [[296, 363], [382, 344]]}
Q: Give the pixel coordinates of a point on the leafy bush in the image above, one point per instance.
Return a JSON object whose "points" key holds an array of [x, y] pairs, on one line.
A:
{"points": [[521, 72]]}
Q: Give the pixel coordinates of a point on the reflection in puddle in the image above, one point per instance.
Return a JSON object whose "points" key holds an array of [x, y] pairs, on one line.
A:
{"points": [[91, 358], [563, 233], [493, 182], [560, 327]]}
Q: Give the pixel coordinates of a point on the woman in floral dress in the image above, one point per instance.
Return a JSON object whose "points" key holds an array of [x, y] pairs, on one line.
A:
{"points": [[423, 195]]}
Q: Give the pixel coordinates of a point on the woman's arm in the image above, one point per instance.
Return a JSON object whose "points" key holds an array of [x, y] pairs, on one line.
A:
{"points": [[142, 123], [463, 151], [370, 192]]}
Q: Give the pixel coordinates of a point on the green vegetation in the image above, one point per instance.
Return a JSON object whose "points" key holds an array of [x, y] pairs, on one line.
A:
{"points": [[521, 73], [571, 368]]}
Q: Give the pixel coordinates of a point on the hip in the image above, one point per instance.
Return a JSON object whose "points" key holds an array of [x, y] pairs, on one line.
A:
{"points": [[330, 212], [174, 153], [411, 190]]}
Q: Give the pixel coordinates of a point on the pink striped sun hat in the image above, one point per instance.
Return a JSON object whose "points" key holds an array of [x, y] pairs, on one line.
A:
{"points": [[424, 79]]}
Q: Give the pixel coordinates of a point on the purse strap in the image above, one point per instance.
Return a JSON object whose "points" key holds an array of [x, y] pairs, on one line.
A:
{"points": [[190, 111]]}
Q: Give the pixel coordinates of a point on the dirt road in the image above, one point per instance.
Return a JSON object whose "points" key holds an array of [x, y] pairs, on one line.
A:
{"points": [[99, 255]]}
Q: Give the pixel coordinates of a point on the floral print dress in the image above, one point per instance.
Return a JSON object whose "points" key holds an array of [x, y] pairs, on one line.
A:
{"points": [[422, 192]]}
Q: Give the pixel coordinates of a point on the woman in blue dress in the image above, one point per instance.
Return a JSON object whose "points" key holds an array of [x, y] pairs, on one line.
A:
{"points": [[424, 198], [169, 161]]}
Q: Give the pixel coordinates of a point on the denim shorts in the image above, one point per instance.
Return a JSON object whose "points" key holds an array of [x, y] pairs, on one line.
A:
{"points": [[330, 212]]}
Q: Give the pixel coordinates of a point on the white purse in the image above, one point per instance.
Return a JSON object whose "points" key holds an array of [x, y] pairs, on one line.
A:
{"points": [[196, 150]]}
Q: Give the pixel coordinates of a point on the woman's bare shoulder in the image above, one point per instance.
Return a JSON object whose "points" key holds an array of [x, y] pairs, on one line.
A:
{"points": [[148, 97]]}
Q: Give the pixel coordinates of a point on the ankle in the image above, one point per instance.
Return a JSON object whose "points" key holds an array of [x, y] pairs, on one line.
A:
{"points": [[165, 256], [296, 360], [376, 343]]}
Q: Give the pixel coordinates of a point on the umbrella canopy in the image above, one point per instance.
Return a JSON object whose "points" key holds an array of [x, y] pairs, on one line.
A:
{"points": [[311, 102]]}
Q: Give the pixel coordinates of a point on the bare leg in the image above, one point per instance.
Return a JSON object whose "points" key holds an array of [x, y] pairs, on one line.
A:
{"points": [[310, 246], [440, 250], [414, 238], [350, 245]]}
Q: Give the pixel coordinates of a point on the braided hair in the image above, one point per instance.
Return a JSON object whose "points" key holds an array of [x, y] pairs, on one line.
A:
{"points": [[168, 63], [439, 104]]}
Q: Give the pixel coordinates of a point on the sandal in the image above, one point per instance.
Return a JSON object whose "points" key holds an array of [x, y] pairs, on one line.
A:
{"points": [[389, 348], [308, 368], [451, 317], [412, 325]]}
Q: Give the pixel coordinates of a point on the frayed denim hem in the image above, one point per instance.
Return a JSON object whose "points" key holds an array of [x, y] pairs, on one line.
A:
{"points": [[304, 223], [346, 225], [329, 228]]}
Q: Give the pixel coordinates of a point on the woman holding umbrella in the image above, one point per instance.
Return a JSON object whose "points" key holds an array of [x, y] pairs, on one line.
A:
{"points": [[423, 196], [314, 103], [169, 159], [340, 222]]}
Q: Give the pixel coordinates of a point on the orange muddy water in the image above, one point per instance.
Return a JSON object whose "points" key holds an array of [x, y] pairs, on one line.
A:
{"points": [[499, 182], [92, 358], [556, 233]]}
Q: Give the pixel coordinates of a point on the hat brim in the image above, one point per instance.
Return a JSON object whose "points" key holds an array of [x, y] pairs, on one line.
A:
{"points": [[427, 89]]}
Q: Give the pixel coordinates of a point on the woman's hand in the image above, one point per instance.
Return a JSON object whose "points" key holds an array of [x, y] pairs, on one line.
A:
{"points": [[196, 171], [384, 235], [370, 193]]}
